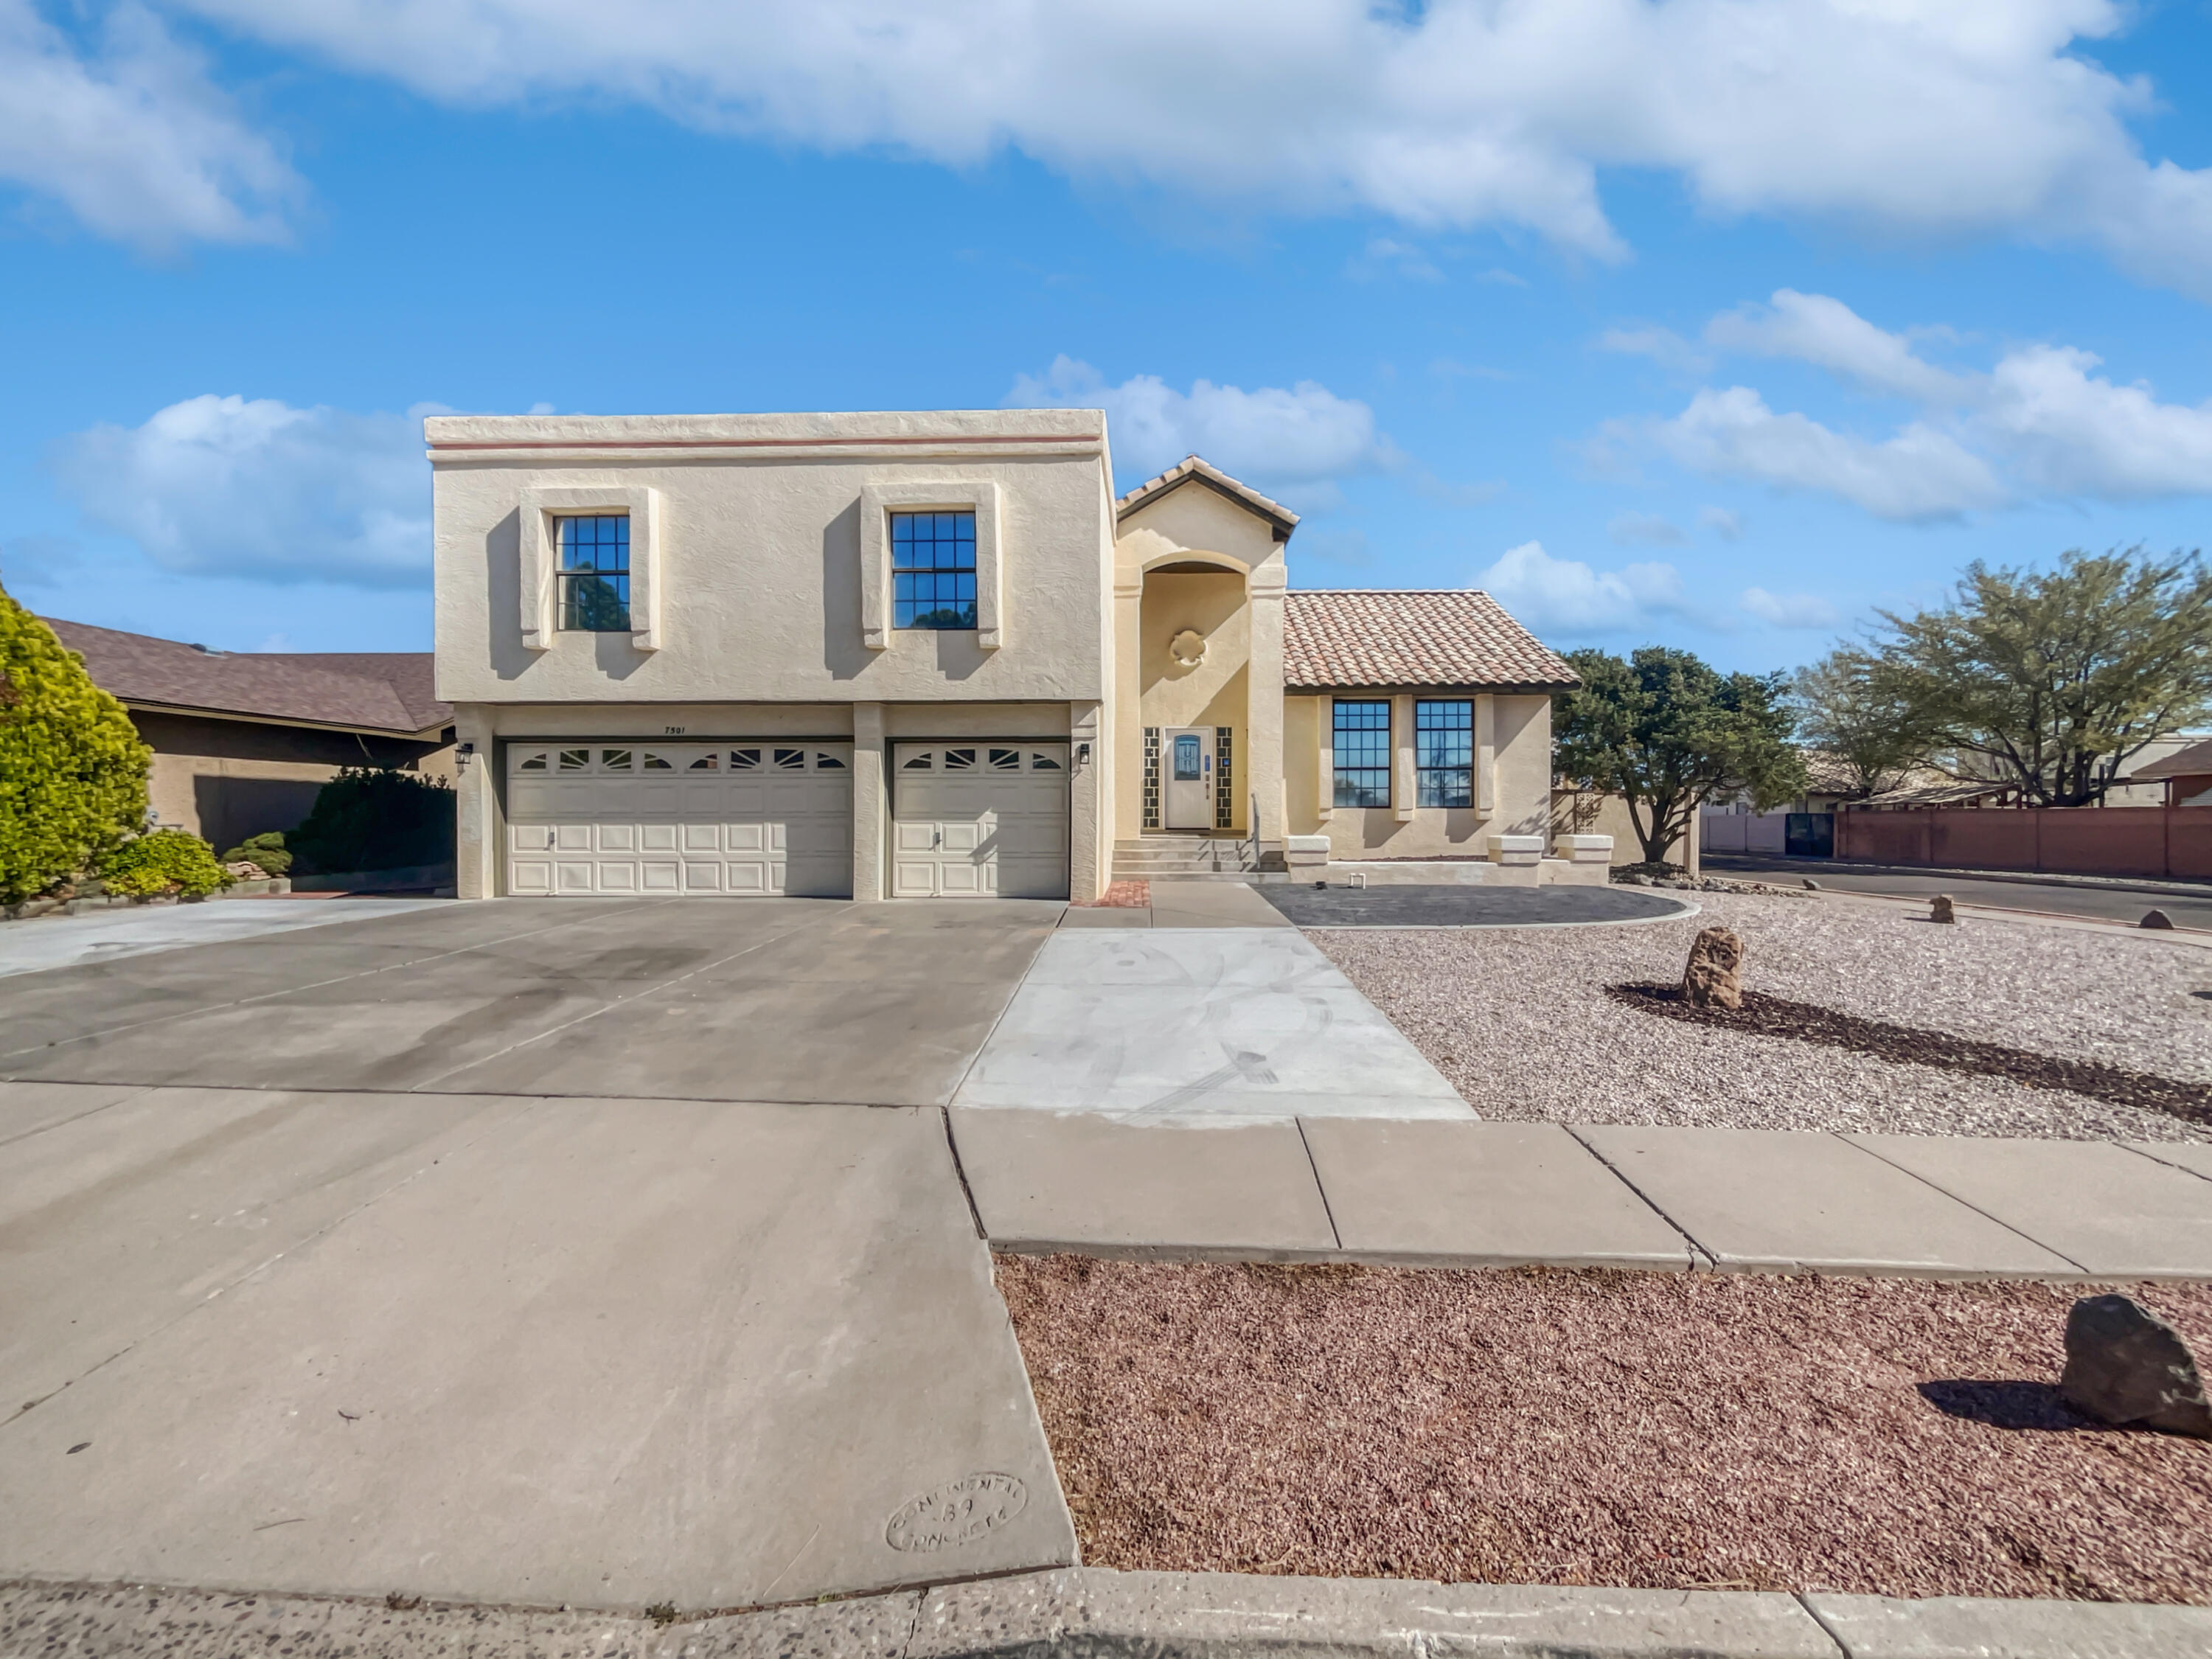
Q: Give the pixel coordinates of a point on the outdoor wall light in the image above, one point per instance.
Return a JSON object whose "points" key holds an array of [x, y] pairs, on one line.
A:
{"points": [[463, 753], [1082, 753]]}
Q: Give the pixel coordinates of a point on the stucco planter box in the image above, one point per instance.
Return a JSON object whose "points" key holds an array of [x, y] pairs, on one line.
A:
{"points": [[1517, 849], [1305, 849], [1584, 850]]}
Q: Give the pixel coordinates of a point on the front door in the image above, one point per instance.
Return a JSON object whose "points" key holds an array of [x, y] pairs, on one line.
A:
{"points": [[1189, 777]]}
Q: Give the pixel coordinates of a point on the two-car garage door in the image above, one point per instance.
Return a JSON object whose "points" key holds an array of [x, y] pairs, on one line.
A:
{"points": [[675, 818], [978, 820]]}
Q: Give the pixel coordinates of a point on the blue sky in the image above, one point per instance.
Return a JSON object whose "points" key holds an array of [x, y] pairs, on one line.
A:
{"points": [[1713, 322]]}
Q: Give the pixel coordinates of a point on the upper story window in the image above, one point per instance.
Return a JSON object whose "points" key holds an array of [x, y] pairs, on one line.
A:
{"points": [[594, 573], [1363, 754], [1443, 753], [933, 569]]}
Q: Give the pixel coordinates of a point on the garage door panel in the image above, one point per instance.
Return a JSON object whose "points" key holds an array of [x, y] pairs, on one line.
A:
{"points": [[978, 820], [671, 819]]}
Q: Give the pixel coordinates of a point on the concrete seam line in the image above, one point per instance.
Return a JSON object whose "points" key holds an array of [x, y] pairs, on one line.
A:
{"points": [[1826, 1629], [292, 990], [1326, 1208], [975, 1059], [299, 1244], [1937, 1186], [1696, 1250], [960, 1173], [136, 1089], [2165, 1163], [607, 1007]]}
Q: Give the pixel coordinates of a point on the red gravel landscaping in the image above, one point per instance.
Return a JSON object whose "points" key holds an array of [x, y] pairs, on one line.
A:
{"points": [[1890, 1437]]}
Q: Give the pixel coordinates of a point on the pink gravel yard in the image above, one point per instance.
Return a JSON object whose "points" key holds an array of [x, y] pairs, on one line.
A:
{"points": [[1888, 1436]]}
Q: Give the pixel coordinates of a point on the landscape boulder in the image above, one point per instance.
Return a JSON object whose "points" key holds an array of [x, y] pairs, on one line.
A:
{"points": [[2124, 1364], [2155, 919], [1941, 910], [1713, 978]]}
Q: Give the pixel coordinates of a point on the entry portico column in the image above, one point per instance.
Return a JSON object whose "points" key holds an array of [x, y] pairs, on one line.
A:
{"points": [[870, 806], [1264, 708]]}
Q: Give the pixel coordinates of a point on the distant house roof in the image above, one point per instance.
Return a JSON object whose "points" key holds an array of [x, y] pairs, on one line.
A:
{"points": [[1375, 637], [1191, 470], [1950, 792], [2195, 761], [386, 691]]}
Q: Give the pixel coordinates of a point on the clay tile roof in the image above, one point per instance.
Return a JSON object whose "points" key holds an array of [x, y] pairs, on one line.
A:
{"points": [[1191, 470], [367, 690], [1349, 637], [2189, 762]]}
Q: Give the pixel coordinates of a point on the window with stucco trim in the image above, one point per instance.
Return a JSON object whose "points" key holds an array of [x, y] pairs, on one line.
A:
{"points": [[594, 573], [933, 570], [1361, 754], [1444, 752]]}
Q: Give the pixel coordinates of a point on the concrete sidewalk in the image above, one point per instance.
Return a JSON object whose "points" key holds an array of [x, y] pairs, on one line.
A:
{"points": [[1467, 1193]]}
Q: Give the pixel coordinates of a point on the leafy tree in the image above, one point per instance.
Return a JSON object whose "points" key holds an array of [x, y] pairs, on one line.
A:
{"points": [[1845, 709], [72, 770], [2053, 679], [165, 862], [370, 817], [1667, 732]]}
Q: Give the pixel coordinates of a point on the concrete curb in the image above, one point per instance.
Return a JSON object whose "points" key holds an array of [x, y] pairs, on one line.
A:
{"points": [[1093, 1613]]}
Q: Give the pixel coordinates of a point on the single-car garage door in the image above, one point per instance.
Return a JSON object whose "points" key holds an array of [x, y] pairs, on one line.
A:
{"points": [[680, 818], [979, 820]]}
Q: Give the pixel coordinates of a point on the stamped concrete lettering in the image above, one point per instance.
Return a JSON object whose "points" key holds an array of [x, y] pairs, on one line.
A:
{"points": [[958, 1512]]}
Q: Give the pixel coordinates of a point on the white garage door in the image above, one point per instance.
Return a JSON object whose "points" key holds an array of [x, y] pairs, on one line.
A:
{"points": [[680, 818], [982, 820]]}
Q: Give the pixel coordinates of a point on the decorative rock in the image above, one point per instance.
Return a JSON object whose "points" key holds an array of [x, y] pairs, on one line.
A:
{"points": [[246, 870], [1713, 978], [2155, 919], [1940, 909], [2126, 1364], [1811, 885]]}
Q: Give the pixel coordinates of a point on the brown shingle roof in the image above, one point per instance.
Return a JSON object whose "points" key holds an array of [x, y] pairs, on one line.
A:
{"points": [[367, 690], [2189, 762], [1457, 636]]}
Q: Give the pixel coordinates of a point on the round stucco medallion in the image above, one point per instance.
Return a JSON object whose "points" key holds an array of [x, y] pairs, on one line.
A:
{"points": [[1188, 647], [958, 1512]]}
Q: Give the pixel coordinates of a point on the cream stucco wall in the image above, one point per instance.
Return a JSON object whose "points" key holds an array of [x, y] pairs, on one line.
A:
{"points": [[758, 572], [1521, 782]]}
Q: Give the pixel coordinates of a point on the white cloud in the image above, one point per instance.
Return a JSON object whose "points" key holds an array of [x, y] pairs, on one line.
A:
{"points": [[1383, 257], [1789, 609], [2070, 433], [1920, 116], [2039, 424], [1303, 434], [1630, 528], [1815, 329], [260, 490], [1728, 526], [1661, 345], [1565, 596], [1920, 473], [129, 135]]}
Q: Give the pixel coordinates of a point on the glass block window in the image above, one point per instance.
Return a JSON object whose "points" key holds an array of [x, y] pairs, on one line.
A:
{"points": [[933, 569], [1363, 754], [595, 574], [1443, 753]]}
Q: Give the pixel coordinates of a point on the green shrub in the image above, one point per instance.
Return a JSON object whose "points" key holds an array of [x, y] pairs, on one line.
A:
{"points": [[72, 770], [266, 850], [165, 862], [376, 818]]}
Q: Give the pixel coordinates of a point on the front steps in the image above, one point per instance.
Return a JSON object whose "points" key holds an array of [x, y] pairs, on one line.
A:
{"points": [[1192, 857]]}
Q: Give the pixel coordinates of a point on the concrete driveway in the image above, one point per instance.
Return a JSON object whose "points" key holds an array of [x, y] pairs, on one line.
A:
{"points": [[785, 999]]}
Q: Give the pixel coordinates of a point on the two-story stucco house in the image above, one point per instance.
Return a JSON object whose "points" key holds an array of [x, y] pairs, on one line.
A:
{"points": [[924, 655]]}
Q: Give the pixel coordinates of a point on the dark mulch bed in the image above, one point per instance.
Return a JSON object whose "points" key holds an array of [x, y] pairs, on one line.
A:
{"points": [[1907, 1045], [1888, 1436]]}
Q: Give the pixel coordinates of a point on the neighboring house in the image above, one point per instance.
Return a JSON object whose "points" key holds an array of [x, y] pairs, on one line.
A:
{"points": [[912, 655], [242, 740], [2185, 775]]}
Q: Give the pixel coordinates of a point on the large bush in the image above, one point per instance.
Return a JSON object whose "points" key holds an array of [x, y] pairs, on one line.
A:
{"points": [[375, 818], [72, 770], [266, 850], [165, 861]]}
